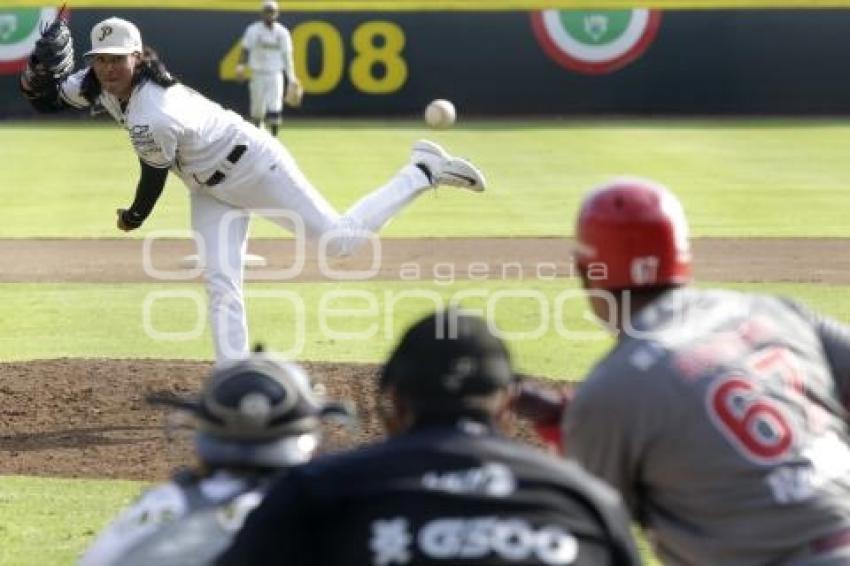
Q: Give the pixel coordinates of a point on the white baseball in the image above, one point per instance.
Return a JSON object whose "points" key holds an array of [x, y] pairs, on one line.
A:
{"points": [[440, 114]]}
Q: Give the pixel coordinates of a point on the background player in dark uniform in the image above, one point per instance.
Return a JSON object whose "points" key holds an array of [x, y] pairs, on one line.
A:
{"points": [[719, 416], [446, 488], [254, 419]]}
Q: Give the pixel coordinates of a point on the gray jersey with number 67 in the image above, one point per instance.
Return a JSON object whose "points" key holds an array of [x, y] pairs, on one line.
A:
{"points": [[721, 418]]}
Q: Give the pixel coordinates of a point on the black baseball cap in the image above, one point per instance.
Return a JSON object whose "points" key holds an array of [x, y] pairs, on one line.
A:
{"points": [[447, 356]]}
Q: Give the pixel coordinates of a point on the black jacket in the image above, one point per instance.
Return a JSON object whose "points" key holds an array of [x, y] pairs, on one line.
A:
{"points": [[447, 492]]}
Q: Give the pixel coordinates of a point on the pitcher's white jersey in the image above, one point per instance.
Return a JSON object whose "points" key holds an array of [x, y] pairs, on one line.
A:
{"points": [[180, 522], [270, 48], [233, 169], [171, 127]]}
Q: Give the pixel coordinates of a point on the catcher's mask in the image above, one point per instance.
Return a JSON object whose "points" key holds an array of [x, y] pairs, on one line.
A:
{"points": [[632, 233], [259, 412]]}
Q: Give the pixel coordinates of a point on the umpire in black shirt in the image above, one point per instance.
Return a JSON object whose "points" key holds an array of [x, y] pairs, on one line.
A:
{"points": [[446, 487]]}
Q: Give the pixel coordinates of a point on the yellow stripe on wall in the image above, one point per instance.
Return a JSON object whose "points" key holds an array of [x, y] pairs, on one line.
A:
{"points": [[431, 5]]}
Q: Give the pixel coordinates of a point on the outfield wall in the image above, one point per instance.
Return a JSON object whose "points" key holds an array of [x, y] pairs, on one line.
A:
{"points": [[513, 63], [441, 5]]}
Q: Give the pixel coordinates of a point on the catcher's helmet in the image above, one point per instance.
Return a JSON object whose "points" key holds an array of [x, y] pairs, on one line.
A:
{"points": [[632, 233], [258, 412]]}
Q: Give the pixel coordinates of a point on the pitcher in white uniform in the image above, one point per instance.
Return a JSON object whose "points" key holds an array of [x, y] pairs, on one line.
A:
{"points": [[267, 51], [231, 168]]}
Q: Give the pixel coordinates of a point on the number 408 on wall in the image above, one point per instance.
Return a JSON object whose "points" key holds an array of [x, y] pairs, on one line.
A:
{"points": [[376, 68]]}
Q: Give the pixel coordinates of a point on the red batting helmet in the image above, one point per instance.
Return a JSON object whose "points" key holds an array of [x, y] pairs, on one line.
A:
{"points": [[632, 233]]}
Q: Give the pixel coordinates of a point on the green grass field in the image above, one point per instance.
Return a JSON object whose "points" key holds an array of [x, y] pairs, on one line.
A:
{"points": [[735, 178], [50, 521], [40, 321], [747, 178]]}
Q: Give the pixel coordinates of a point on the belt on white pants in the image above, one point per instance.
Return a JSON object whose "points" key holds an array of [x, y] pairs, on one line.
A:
{"points": [[218, 176]]}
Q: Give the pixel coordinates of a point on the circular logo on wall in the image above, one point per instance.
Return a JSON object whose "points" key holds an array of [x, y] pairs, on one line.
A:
{"points": [[595, 42], [19, 30]]}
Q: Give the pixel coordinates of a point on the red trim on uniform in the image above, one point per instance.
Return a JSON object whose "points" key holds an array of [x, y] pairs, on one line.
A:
{"points": [[831, 542], [574, 64]]}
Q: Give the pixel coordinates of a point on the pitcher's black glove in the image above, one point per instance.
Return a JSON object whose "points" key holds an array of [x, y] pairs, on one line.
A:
{"points": [[51, 61]]}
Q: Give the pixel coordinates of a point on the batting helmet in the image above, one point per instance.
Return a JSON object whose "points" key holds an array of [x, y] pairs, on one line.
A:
{"points": [[258, 412], [632, 233]]}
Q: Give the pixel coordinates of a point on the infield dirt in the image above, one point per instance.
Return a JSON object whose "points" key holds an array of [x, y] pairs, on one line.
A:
{"points": [[805, 260], [88, 418]]}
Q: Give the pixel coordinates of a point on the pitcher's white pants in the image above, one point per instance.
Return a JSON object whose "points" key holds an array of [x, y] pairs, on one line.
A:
{"points": [[267, 181]]}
